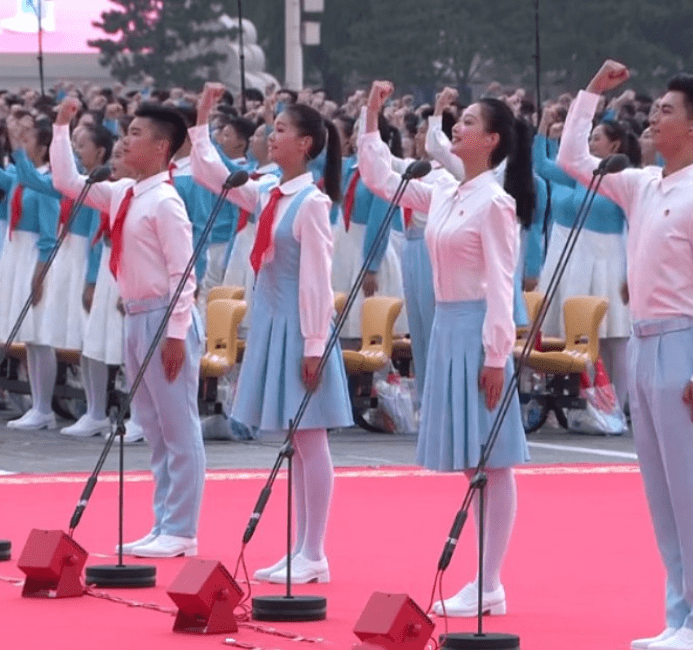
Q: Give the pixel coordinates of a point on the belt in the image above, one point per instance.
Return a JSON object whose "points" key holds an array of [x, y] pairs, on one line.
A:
{"points": [[133, 307], [658, 327]]}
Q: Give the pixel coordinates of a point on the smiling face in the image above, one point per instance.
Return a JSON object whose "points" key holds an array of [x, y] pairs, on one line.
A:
{"points": [[118, 167], [89, 154], [470, 139], [600, 144], [258, 143], [671, 124], [286, 146]]}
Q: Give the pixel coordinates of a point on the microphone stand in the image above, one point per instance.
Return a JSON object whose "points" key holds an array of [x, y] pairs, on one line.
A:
{"points": [[480, 640], [122, 575], [241, 55], [313, 608]]}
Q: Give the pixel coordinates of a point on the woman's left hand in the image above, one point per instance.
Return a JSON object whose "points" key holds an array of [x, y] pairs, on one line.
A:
{"points": [[309, 372], [491, 383]]}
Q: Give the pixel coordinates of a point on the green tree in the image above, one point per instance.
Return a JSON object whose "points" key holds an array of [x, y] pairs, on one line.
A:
{"points": [[167, 40]]}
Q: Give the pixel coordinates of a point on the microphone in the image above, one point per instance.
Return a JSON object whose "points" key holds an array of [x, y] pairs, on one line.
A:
{"points": [[612, 164], [99, 175], [236, 179], [417, 169]]}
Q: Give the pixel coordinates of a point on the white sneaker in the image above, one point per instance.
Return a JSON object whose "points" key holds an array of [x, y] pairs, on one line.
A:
{"points": [[32, 420], [87, 426], [264, 574], [465, 602], [681, 640], [133, 432], [644, 644], [167, 546], [129, 547], [303, 571]]}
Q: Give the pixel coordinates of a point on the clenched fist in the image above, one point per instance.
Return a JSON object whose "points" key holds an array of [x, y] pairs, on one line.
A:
{"points": [[611, 75]]}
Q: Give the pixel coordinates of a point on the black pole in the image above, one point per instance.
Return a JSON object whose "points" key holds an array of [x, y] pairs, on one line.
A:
{"points": [[537, 59], [40, 44], [241, 55]]}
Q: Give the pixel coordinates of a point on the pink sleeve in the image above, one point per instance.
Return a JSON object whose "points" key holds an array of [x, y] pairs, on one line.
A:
{"points": [[315, 298], [209, 170], [174, 230], [375, 165], [500, 241]]}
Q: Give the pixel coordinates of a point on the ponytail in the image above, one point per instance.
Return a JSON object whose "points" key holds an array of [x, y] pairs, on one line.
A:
{"points": [[333, 163], [519, 177]]}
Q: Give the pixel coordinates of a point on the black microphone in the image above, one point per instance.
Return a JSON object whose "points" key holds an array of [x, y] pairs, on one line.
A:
{"points": [[612, 164], [236, 179], [417, 169], [99, 175]]}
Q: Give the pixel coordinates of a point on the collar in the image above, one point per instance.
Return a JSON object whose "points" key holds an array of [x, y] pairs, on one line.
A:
{"points": [[182, 164], [150, 183], [482, 180], [295, 185], [677, 179], [269, 168]]}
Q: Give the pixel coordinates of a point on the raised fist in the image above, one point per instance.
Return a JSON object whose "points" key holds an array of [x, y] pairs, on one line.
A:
{"points": [[611, 75], [68, 108], [444, 99], [380, 91], [211, 94]]}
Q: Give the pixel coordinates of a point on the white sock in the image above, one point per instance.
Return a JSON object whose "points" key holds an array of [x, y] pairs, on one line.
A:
{"points": [[614, 353], [43, 368], [318, 480], [95, 375], [500, 497]]}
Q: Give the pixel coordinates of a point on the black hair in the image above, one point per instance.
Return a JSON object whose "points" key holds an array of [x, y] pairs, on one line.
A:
{"points": [[683, 83], [291, 93], [44, 135], [243, 127], [448, 123], [515, 144], [308, 122], [226, 109], [169, 123], [411, 123], [189, 114], [390, 136], [627, 140], [102, 139], [227, 98], [348, 122], [254, 95]]}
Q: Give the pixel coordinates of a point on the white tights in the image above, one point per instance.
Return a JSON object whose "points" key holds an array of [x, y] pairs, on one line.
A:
{"points": [[313, 480], [43, 368], [500, 501], [95, 376]]}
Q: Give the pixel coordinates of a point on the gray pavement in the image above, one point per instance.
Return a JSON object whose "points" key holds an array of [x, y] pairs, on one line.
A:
{"points": [[46, 452]]}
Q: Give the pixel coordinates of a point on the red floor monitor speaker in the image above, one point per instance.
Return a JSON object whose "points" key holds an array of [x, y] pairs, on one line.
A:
{"points": [[206, 596], [53, 563], [393, 621]]}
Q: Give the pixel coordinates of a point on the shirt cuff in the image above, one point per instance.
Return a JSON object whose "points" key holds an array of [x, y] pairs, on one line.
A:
{"points": [[313, 347], [587, 99], [198, 133], [177, 330], [435, 121], [495, 360]]}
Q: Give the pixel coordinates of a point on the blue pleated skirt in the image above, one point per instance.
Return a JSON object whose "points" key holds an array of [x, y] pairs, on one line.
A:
{"points": [[454, 419]]}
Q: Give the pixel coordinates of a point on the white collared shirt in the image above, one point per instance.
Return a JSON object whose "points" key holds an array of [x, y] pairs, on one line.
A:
{"points": [[311, 228], [659, 210], [472, 235], [157, 234]]}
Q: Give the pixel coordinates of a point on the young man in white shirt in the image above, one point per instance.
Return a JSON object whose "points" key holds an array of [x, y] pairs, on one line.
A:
{"points": [[151, 239], [659, 207]]}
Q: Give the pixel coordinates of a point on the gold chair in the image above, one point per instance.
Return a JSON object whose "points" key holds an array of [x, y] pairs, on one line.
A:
{"points": [[377, 323], [582, 315], [533, 301], [222, 292], [223, 317]]}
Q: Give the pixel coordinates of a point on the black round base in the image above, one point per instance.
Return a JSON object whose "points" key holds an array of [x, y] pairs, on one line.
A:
{"points": [[479, 642], [5, 550], [295, 608], [123, 575]]}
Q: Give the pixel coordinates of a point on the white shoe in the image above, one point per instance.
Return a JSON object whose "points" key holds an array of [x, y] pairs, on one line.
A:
{"points": [[465, 602], [87, 426], [133, 432], [681, 640], [129, 547], [167, 546], [264, 574], [303, 571], [32, 420], [644, 644]]}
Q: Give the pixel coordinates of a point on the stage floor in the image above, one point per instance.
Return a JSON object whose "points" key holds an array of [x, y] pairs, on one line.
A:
{"points": [[582, 571]]}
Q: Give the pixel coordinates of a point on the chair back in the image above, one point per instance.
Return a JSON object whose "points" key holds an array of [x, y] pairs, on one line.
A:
{"points": [[377, 323], [339, 301], [225, 292], [582, 315], [223, 317], [533, 302]]}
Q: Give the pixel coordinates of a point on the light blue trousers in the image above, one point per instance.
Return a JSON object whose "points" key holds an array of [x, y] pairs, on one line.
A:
{"points": [[168, 414], [660, 358], [417, 280]]}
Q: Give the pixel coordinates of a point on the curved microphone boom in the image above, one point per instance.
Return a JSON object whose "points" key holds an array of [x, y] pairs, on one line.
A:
{"points": [[417, 169], [236, 179], [612, 164]]}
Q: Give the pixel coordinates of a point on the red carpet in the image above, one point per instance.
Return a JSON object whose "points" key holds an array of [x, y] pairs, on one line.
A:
{"points": [[582, 573]]}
